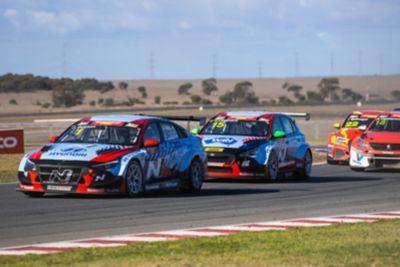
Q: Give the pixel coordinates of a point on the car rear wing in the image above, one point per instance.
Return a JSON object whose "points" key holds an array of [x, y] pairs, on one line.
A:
{"points": [[201, 119], [304, 115]]}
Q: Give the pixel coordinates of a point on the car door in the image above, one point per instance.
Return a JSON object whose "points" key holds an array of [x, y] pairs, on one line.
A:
{"points": [[280, 142], [173, 149], [292, 140], [154, 156]]}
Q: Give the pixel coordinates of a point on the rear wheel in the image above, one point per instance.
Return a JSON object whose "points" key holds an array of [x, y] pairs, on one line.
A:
{"points": [[195, 177], [305, 171], [34, 194], [134, 180], [271, 170]]}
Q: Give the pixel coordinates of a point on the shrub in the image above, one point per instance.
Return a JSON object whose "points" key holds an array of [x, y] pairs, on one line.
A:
{"points": [[13, 102]]}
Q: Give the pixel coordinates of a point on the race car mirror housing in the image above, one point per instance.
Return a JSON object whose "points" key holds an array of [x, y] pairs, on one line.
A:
{"points": [[279, 134], [151, 143], [336, 125], [195, 131], [53, 139]]}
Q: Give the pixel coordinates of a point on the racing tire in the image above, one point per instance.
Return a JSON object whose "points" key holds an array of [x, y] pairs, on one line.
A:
{"points": [[272, 169], [34, 194], [134, 180], [195, 177], [304, 172], [357, 169]]}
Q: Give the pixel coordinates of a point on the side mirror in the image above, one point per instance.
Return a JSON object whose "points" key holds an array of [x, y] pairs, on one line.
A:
{"points": [[362, 127], [336, 125], [195, 131], [151, 143], [279, 134], [53, 139]]}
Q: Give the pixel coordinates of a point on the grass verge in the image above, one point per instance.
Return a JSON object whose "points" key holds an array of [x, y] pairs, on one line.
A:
{"points": [[368, 244], [9, 167]]}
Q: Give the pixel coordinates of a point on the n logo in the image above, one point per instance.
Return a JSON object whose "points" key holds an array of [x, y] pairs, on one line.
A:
{"points": [[61, 176]]}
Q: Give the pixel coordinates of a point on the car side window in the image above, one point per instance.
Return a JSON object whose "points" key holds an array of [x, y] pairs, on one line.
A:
{"points": [[277, 126], [169, 131], [152, 132], [287, 125]]}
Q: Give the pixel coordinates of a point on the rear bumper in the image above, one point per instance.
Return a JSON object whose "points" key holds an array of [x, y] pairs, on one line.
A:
{"points": [[233, 170]]}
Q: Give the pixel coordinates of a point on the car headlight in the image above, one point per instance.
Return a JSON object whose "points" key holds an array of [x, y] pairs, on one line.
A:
{"points": [[362, 144], [29, 166], [339, 140], [252, 153], [107, 165]]}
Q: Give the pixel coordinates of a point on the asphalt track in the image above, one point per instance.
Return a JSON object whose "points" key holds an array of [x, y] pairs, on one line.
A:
{"points": [[333, 190]]}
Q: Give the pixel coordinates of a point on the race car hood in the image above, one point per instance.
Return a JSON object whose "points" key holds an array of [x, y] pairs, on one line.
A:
{"points": [[81, 152], [238, 142], [349, 133], [383, 137]]}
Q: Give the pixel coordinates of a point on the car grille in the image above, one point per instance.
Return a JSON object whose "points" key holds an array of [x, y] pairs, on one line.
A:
{"points": [[385, 146], [339, 153], [60, 174], [220, 158]]}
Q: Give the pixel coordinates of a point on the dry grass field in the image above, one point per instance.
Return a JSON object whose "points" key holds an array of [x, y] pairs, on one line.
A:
{"points": [[266, 89]]}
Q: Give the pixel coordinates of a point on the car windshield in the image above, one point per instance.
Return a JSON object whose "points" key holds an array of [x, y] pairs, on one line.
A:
{"points": [[236, 127], [386, 125], [100, 134], [355, 121]]}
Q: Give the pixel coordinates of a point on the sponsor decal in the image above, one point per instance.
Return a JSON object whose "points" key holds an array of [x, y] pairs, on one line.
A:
{"points": [[214, 149], [71, 151], [11, 141], [221, 140]]}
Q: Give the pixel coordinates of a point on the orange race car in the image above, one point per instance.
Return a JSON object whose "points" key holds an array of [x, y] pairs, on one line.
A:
{"points": [[339, 141]]}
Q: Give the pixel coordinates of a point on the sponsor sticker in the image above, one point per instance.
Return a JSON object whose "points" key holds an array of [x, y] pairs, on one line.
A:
{"points": [[59, 188], [214, 149], [11, 141]]}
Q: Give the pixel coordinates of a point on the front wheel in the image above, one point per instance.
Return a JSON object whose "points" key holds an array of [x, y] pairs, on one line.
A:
{"points": [[34, 194], [271, 169], [356, 169], [134, 180]]}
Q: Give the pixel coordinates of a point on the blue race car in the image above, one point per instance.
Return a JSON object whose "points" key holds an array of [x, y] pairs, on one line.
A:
{"points": [[252, 143], [116, 154]]}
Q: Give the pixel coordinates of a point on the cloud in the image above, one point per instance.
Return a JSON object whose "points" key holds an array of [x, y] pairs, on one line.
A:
{"points": [[59, 23], [184, 25], [12, 16]]}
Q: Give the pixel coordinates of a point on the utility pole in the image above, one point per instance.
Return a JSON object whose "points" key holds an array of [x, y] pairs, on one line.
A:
{"points": [[151, 65], [214, 65], [63, 59], [359, 61]]}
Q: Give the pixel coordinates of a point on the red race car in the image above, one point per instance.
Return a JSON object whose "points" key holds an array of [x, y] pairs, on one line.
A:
{"points": [[339, 141], [379, 145]]}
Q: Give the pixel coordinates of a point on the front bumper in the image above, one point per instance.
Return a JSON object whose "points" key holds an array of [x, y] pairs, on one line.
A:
{"points": [[232, 165], [374, 159], [70, 177], [338, 153]]}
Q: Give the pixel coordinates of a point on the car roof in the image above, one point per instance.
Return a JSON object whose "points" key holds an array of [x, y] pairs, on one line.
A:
{"points": [[366, 112], [121, 118], [395, 114]]}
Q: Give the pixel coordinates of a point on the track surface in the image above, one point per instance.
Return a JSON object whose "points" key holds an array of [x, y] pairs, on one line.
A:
{"points": [[333, 190]]}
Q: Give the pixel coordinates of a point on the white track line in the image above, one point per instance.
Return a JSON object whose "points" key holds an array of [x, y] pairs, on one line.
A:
{"points": [[223, 230]]}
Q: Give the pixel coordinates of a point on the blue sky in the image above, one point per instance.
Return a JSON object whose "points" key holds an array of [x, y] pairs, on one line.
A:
{"points": [[114, 39]]}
